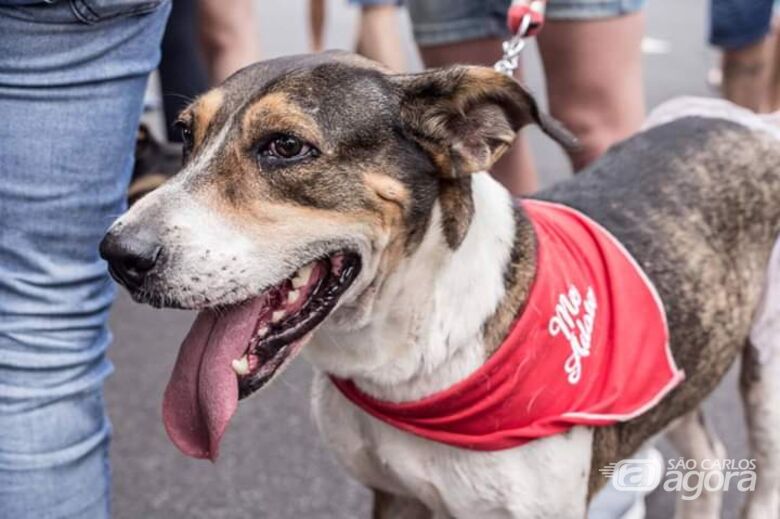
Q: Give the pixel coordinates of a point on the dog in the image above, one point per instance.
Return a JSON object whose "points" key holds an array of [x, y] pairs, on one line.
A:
{"points": [[329, 207]]}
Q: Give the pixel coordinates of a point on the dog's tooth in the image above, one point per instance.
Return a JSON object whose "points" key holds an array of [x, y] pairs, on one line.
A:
{"points": [[277, 316], [262, 331], [297, 281], [302, 276], [292, 296], [241, 366]]}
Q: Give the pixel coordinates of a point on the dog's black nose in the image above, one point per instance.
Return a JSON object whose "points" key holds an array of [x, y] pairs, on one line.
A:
{"points": [[130, 256]]}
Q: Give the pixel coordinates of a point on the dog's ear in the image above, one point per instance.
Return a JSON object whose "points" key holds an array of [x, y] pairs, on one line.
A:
{"points": [[466, 117]]}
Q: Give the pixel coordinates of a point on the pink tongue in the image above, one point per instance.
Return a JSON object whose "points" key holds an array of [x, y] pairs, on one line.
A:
{"points": [[202, 394]]}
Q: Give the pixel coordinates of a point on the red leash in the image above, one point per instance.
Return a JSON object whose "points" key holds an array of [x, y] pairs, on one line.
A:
{"points": [[520, 9]]}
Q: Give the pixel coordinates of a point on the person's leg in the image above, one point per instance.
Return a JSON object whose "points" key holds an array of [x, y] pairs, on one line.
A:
{"points": [[593, 65], [746, 75], [70, 97], [774, 80], [182, 69], [469, 32], [317, 24], [229, 36], [379, 33], [741, 28]]}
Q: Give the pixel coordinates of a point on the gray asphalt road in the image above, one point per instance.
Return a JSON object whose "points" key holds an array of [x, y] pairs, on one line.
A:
{"points": [[272, 463]]}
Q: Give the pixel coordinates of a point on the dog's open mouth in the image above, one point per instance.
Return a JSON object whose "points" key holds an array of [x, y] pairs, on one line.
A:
{"points": [[292, 309], [232, 352]]}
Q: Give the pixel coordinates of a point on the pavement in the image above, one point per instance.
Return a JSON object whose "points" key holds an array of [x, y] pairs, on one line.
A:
{"points": [[272, 463]]}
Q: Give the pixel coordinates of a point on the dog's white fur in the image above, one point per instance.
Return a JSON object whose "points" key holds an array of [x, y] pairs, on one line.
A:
{"points": [[416, 343], [420, 344]]}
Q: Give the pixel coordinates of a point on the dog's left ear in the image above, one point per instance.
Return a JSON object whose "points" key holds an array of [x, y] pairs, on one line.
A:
{"points": [[466, 117]]}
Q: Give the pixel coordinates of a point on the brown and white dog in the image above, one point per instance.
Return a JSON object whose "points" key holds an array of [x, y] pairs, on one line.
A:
{"points": [[325, 202]]}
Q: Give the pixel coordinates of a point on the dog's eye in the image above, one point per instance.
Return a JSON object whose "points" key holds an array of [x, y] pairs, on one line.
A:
{"points": [[187, 138], [286, 148]]}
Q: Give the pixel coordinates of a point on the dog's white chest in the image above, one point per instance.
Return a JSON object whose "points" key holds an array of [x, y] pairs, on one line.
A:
{"points": [[547, 478]]}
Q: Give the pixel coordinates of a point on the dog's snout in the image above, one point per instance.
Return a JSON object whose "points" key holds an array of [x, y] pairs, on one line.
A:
{"points": [[130, 255]]}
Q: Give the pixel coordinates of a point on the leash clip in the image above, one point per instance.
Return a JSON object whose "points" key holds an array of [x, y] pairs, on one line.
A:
{"points": [[524, 19]]}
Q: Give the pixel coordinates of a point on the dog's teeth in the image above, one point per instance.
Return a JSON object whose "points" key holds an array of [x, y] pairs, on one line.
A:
{"points": [[241, 366], [302, 276], [277, 316], [292, 296], [262, 331]]}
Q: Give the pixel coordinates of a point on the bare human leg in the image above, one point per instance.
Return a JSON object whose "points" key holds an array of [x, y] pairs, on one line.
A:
{"points": [[746, 75], [229, 37], [379, 36], [594, 80], [317, 25]]}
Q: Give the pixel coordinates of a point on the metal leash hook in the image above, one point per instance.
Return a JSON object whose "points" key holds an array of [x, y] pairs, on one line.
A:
{"points": [[528, 18], [512, 49]]}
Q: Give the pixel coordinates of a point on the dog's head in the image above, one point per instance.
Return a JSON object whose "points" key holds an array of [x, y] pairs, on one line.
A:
{"points": [[306, 181]]}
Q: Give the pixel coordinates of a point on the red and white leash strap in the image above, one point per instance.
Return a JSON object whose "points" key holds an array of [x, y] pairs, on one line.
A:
{"points": [[524, 18]]}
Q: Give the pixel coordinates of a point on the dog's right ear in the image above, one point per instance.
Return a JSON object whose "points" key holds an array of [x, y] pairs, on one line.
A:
{"points": [[466, 117]]}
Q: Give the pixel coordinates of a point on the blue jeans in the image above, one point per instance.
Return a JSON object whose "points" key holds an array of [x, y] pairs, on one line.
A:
{"points": [[72, 79], [735, 24], [439, 22]]}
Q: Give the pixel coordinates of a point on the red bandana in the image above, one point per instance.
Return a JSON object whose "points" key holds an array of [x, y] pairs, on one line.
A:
{"points": [[591, 347]]}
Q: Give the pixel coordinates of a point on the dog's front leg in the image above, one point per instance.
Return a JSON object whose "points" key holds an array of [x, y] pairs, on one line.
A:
{"points": [[390, 506]]}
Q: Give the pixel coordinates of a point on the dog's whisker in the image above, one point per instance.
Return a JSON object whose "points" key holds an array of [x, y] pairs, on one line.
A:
{"points": [[177, 95]]}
